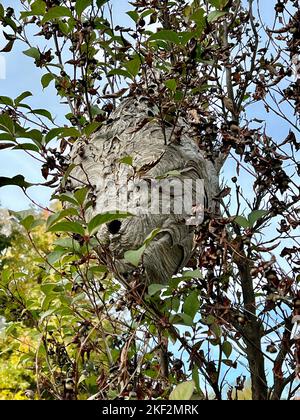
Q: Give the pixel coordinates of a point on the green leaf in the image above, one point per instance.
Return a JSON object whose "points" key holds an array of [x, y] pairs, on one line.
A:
{"points": [[5, 100], [119, 72], [52, 134], [182, 319], [96, 110], [195, 376], [216, 330], [27, 146], [227, 349], [38, 7], [134, 15], [60, 215], [18, 181], [7, 137], [99, 269], [155, 288], [200, 19], [213, 16], [70, 227], [219, 4], [183, 391], [146, 13], [133, 66], [134, 257], [28, 222], [2, 11], [152, 235], [23, 96], [5, 276], [171, 84], [81, 5], [55, 256], [185, 37], [34, 135], [33, 53], [43, 113], [166, 35], [47, 79], [69, 244], [80, 195], [47, 314], [91, 128], [6, 123], [191, 305], [102, 219], [242, 221], [48, 288], [11, 329], [209, 320], [127, 160], [68, 197], [101, 3], [256, 215], [70, 132], [57, 12]]}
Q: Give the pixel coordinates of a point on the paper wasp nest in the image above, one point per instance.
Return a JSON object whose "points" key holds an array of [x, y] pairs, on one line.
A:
{"points": [[135, 165]]}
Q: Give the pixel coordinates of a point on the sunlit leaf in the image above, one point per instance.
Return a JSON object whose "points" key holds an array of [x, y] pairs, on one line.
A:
{"points": [[183, 391]]}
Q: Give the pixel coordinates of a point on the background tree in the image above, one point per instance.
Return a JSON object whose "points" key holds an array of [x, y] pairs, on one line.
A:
{"points": [[235, 309]]}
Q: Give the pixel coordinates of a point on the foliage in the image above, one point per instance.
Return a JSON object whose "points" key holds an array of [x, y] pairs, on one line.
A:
{"points": [[207, 63], [11, 378], [16, 347]]}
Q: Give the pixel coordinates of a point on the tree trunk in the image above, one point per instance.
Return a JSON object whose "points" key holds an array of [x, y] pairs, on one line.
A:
{"points": [[252, 334]]}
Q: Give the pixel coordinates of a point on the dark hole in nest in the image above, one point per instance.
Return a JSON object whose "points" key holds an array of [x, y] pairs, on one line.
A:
{"points": [[114, 227]]}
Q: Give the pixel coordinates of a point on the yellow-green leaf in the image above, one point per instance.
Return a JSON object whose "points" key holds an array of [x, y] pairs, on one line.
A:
{"points": [[81, 5], [183, 391]]}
